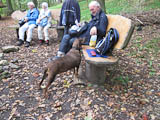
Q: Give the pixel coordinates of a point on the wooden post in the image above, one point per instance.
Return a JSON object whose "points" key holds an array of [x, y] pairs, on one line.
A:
{"points": [[102, 3]]}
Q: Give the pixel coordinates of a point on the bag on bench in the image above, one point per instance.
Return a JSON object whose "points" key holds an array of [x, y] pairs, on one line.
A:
{"points": [[106, 45], [76, 31], [21, 22]]}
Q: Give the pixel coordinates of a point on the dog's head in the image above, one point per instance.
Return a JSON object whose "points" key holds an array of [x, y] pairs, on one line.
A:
{"points": [[77, 43]]}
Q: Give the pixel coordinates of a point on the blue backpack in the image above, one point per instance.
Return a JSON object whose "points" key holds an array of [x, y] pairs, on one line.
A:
{"points": [[107, 44]]}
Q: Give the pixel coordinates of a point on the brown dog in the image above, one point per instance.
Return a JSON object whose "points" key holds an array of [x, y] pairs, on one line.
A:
{"points": [[71, 60]]}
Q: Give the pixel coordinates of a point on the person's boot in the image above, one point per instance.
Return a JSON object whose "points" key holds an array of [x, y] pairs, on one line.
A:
{"points": [[20, 42], [59, 54], [47, 42], [27, 44], [41, 42]]}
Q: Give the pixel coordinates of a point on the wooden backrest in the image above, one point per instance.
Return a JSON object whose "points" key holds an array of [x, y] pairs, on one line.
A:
{"points": [[125, 28]]}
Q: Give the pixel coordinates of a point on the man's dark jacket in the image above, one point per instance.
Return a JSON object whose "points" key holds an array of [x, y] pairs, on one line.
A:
{"points": [[100, 21], [72, 10]]}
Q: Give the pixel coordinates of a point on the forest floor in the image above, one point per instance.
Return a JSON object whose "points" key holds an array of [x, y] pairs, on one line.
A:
{"points": [[132, 90]]}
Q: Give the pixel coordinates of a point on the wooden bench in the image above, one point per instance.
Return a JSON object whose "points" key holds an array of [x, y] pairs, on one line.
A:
{"points": [[96, 66]]}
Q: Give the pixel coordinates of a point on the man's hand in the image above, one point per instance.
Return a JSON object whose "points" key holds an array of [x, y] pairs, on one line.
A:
{"points": [[93, 31], [38, 21], [25, 19]]}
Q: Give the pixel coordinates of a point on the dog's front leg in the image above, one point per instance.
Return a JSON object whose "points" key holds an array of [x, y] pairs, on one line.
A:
{"points": [[75, 73]]}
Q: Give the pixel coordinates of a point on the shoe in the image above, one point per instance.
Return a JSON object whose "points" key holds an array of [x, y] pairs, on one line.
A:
{"points": [[27, 44], [47, 42], [53, 58], [60, 54], [41, 42], [20, 42]]}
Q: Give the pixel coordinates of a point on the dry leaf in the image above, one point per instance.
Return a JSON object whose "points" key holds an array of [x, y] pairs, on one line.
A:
{"points": [[35, 74], [123, 109]]}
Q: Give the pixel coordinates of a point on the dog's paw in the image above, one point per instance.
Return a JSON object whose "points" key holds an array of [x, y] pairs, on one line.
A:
{"points": [[45, 94]]}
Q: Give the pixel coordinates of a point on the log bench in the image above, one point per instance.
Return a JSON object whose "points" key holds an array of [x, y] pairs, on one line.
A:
{"points": [[96, 66], [59, 29]]}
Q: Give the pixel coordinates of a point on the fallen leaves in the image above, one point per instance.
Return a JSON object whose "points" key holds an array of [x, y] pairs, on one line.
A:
{"points": [[66, 84], [145, 117], [123, 109], [35, 74], [13, 113], [34, 50], [20, 98], [143, 101], [158, 94]]}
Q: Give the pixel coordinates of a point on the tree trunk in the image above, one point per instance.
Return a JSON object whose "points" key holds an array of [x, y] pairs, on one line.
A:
{"points": [[87, 3], [19, 4], [35, 2], [9, 5], [59, 1], [102, 3], [48, 3]]}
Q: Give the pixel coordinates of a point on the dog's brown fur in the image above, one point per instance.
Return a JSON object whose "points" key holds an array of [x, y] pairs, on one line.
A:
{"points": [[71, 60]]}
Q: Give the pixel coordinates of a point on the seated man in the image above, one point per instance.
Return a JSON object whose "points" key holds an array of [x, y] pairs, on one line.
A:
{"points": [[97, 26], [30, 24]]}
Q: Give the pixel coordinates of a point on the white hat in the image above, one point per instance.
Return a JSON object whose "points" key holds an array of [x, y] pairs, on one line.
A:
{"points": [[31, 3]]}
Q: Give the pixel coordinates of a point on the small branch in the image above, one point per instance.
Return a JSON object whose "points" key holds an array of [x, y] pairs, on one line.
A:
{"points": [[139, 21]]}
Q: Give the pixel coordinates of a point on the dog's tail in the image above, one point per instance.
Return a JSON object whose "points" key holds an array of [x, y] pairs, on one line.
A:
{"points": [[44, 76]]}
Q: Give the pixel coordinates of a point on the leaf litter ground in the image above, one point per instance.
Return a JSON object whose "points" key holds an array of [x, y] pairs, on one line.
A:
{"points": [[132, 90]]}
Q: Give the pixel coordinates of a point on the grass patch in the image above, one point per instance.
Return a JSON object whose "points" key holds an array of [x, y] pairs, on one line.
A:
{"points": [[150, 46], [153, 46], [117, 7], [58, 6], [121, 80], [151, 4]]}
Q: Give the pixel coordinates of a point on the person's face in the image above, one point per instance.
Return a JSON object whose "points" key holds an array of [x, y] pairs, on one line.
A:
{"points": [[93, 10], [30, 7], [43, 7]]}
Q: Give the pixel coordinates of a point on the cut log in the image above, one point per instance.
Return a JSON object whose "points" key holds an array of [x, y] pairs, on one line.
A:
{"points": [[18, 15]]}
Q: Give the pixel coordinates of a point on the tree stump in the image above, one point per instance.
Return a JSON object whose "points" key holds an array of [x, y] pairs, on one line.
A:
{"points": [[95, 74]]}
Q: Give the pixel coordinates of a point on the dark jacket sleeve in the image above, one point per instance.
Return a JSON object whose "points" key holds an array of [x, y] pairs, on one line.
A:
{"points": [[61, 15], [103, 23], [78, 12]]}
